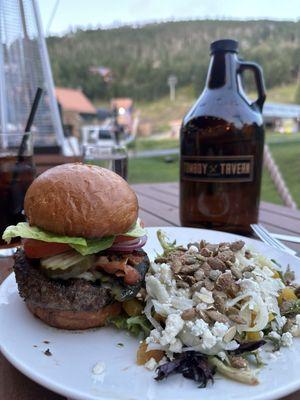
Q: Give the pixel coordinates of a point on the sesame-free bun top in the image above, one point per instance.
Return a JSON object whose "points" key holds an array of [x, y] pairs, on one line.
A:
{"points": [[81, 200]]}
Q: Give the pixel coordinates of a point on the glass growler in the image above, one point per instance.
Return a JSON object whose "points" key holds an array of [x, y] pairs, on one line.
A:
{"points": [[221, 147]]}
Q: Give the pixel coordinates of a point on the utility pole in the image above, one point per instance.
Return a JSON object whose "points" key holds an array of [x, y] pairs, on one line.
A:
{"points": [[172, 82]]}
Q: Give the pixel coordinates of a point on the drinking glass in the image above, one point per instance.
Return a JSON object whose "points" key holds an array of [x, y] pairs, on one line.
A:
{"points": [[113, 157], [17, 171]]}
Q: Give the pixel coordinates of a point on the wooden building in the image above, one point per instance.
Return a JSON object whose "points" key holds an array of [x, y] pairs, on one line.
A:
{"points": [[76, 110]]}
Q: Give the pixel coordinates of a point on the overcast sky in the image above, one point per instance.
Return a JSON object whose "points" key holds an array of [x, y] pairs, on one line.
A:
{"points": [[92, 13]]}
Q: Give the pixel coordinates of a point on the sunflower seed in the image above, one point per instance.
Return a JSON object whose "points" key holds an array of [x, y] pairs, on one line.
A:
{"points": [[209, 285], [188, 314], [189, 269], [197, 286], [214, 274], [236, 246], [238, 362], [203, 316], [226, 255], [206, 268], [199, 275], [217, 316], [189, 260], [206, 252], [230, 334], [216, 263], [182, 284], [237, 319], [236, 271]]}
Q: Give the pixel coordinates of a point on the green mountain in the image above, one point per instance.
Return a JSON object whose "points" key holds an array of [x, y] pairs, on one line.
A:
{"points": [[142, 58]]}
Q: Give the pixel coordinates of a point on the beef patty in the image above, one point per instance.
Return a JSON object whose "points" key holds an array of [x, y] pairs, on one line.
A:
{"points": [[72, 294]]}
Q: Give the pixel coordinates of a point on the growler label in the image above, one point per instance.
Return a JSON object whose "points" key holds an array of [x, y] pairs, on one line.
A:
{"points": [[217, 168]]}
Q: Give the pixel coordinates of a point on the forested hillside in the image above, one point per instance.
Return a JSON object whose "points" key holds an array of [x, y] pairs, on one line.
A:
{"points": [[142, 58]]}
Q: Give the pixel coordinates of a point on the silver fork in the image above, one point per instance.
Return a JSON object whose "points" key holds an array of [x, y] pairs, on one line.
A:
{"points": [[266, 237]]}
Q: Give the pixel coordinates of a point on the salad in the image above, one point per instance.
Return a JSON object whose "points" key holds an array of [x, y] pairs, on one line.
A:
{"points": [[212, 307]]}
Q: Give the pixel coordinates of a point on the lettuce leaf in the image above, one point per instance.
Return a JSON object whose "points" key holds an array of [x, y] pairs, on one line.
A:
{"points": [[24, 230], [136, 230], [94, 245]]}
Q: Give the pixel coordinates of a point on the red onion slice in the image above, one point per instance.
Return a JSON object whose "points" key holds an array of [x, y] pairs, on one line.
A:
{"points": [[129, 245]]}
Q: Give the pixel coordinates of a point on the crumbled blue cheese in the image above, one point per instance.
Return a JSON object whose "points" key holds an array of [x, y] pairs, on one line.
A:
{"points": [[176, 346], [287, 339], [295, 330], [280, 321], [274, 335], [98, 368], [193, 249], [174, 325], [200, 328], [197, 327], [156, 289], [151, 364], [233, 345], [219, 329], [209, 337], [154, 337]]}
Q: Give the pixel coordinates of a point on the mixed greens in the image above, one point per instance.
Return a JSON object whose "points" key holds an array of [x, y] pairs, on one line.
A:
{"points": [[137, 325]]}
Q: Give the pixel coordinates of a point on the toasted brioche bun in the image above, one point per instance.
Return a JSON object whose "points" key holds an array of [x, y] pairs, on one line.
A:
{"points": [[81, 200], [75, 319]]}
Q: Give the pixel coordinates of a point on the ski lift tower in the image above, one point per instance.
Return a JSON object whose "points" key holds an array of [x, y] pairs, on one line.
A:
{"points": [[24, 66]]}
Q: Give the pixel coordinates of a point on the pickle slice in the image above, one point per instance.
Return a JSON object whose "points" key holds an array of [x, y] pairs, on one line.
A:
{"points": [[71, 272], [62, 261]]}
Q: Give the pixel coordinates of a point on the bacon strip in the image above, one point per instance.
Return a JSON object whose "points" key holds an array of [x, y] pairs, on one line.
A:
{"points": [[119, 268]]}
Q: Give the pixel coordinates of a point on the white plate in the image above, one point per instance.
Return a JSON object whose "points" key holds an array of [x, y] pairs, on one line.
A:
{"points": [[69, 370]]}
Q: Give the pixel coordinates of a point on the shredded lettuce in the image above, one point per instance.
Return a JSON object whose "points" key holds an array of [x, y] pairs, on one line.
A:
{"points": [[80, 244]]}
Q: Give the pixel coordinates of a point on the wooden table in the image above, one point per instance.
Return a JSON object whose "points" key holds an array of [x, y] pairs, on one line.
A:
{"points": [[158, 207]]}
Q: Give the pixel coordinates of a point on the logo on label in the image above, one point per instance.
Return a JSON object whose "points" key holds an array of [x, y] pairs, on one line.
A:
{"points": [[217, 168]]}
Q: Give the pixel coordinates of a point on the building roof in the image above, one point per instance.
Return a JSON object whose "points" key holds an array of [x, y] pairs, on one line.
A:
{"points": [[74, 100], [120, 102]]}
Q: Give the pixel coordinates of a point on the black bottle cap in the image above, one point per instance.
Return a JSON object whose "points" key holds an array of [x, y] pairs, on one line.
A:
{"points": [[224, 45]]}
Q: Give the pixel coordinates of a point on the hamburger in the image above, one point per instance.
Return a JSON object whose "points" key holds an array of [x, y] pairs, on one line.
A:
{"points": [[81, 256]]}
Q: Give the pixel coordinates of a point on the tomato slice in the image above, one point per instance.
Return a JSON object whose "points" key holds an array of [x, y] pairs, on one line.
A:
{"points": [[122, 238], [39, 249]]}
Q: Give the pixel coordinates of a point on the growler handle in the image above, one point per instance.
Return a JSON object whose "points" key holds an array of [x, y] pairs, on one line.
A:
{"points": [[259, 81]]}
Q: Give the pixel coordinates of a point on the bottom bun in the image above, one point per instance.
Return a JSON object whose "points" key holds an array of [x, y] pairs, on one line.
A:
{"points": [[75, 319]]}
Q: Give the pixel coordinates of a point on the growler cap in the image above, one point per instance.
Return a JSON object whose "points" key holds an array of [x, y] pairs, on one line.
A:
{"points": [[224, 45]]}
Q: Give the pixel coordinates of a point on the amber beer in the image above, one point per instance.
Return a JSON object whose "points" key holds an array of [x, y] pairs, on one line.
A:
{"points": [[222, 140]]}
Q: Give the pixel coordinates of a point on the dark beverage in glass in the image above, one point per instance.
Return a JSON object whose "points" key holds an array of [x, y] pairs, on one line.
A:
{"points": [[222, 141], [16, 174]]}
